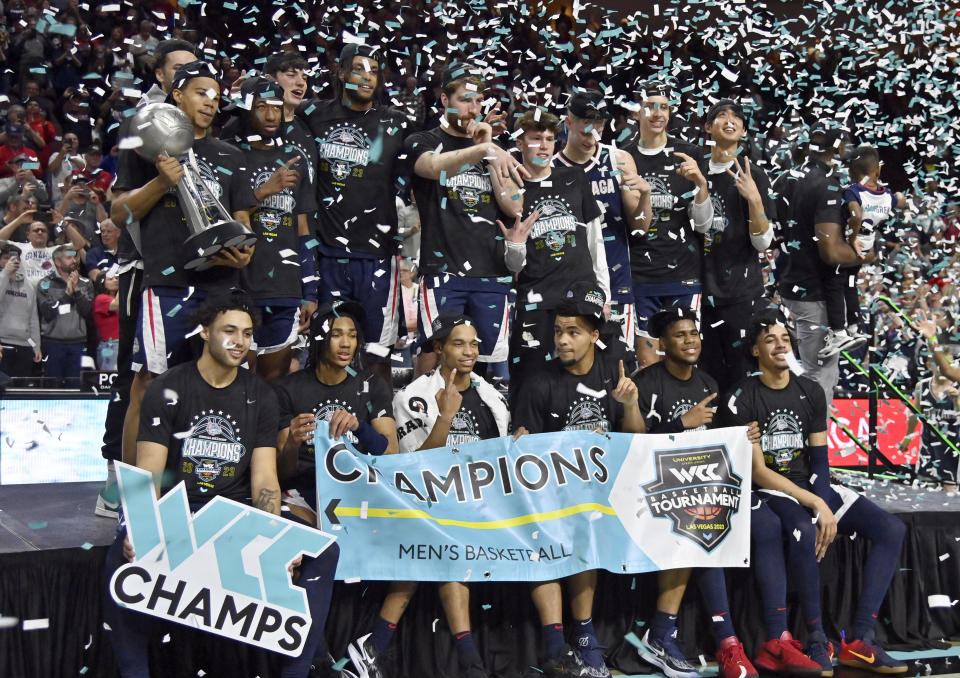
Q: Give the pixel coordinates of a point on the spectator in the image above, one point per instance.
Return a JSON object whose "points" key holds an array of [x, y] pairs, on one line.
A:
{"points": [[22, 181], [82, 203], [65, 300], [31, 49], [408, 227], [13, 149], [19, 322], [142, 46], [101, 258], [107, 319], [36, 254], [62, 162]]}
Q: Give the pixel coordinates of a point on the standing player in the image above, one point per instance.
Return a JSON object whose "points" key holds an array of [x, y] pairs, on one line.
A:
{"points": [[675, 396], [577, 391], [867, 205], [288, 69], [665, 258], [810, 209], [168, 56], [146, 192], [740, 230], [335, 390], [790, 466], [623, 195], [360, 148], [217, 405], [450, 406], [565, 244], [463, 182], [275, 278]]}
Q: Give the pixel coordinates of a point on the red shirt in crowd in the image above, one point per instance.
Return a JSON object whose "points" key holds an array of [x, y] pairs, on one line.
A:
{"points": [[107, 321]]}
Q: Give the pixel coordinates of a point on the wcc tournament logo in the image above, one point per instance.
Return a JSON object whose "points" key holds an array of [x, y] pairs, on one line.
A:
{"points": [[697, 490], [346, 149]]}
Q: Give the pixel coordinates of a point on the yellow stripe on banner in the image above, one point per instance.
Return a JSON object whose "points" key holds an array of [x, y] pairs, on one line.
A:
{"points": [[354, 512]]}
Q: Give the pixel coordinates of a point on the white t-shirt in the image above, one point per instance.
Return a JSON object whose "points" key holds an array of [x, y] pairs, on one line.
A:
{"points": [[35, 262]]}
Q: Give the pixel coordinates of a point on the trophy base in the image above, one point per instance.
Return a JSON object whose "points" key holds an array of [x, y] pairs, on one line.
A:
{"points": [[206, 244]]}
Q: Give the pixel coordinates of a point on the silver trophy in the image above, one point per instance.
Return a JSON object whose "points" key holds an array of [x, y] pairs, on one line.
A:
{"points": [[165, 129]]}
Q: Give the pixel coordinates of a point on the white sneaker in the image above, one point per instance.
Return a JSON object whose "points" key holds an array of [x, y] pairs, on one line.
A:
{"points": [[835, 342], [857, 338]]}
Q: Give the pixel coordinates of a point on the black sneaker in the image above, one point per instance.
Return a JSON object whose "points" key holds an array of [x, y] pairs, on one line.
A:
{"points": [[567, 664]]}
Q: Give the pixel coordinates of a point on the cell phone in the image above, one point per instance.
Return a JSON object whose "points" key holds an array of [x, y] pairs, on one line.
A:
{"points": [[44, 213]]}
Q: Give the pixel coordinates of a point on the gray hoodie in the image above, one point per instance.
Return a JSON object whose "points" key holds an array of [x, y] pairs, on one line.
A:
{"points": [[19, 322]]}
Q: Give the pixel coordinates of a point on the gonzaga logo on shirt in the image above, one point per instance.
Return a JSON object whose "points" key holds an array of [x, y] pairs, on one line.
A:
{"points": [[586, 415], [212, 448]]}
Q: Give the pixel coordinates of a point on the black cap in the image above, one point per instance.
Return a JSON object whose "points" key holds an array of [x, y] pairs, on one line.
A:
{"points": [[194, 69], [254, 87], [19, 157], [589, 105], [334, 309], [655, 87], [14, 128], [660, 321], [445, 323], [825, 137], [584, 299], [724, 105], [354, 50]]}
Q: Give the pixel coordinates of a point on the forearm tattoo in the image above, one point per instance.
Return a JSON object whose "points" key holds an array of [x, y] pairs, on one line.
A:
{"points": [[268, 500]]}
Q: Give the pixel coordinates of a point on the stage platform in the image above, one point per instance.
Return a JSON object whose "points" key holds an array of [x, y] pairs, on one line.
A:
{"points": [[52, 548]]}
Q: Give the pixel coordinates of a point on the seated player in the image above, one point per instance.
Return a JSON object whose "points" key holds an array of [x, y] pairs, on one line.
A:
{"points": [[791, 471], [577, 390], [334, 389], [246, 414], [674, 396], [449, 406]]}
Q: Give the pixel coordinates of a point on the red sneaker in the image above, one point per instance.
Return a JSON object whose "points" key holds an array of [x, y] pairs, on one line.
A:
{"points": [[785, 655], [732, 660]]}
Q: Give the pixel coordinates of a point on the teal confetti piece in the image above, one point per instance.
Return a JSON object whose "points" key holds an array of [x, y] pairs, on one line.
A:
{"points": [[37, 524], [168, 271], [86, 546], [173, 311]]}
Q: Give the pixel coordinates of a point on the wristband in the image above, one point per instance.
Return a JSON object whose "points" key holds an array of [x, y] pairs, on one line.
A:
{"points": [[308, 267], [373, 442]]}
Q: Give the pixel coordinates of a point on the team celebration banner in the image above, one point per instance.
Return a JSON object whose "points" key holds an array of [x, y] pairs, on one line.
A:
{"points": [[223, 569], [546, 506]]}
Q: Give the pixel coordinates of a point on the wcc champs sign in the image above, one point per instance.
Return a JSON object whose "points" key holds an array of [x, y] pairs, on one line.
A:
{"points": [[546, 506], [222, 569]]}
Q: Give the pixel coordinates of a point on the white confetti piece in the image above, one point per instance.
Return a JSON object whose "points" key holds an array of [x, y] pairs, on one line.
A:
{"points": [[36, 624]]}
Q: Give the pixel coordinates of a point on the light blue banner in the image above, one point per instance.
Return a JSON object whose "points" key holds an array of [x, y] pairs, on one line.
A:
{"points": [[546, 506]]}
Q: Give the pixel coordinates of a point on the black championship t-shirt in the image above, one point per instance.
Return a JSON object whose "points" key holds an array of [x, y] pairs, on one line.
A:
{"points": [[360, 157], [164, 229], [274, 270], [670, 250], [210, 433], [663, 397], [557, 251], [296, 134], [732, 271], [809, 195], [787, 417], [556, 400], [473, 421], [367, 397], [458, 213]]}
